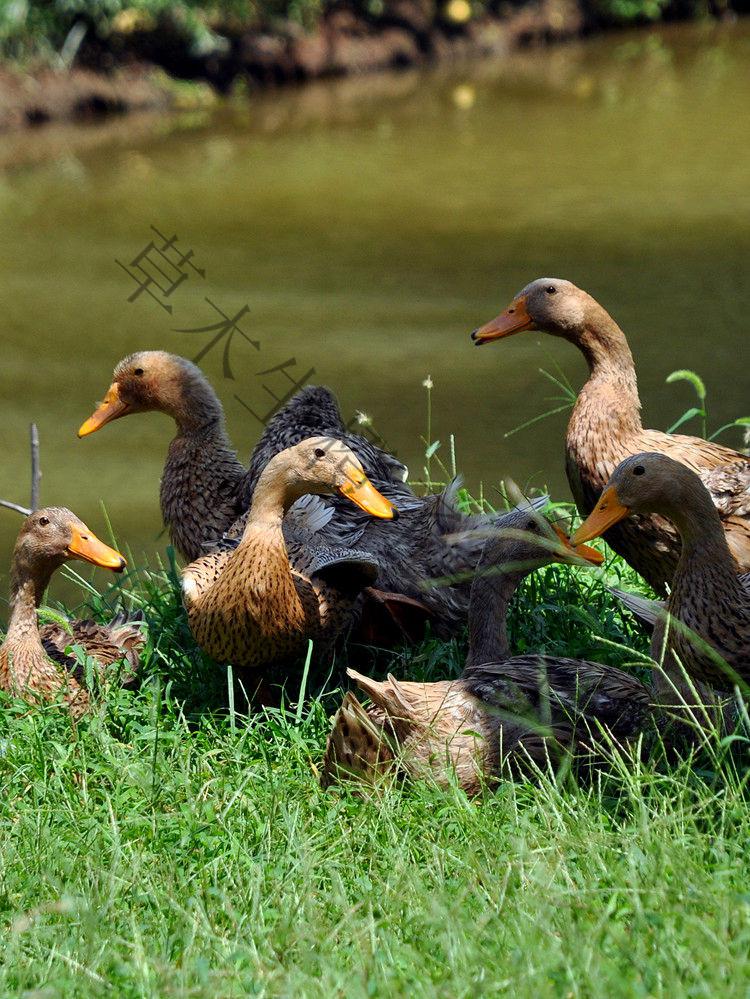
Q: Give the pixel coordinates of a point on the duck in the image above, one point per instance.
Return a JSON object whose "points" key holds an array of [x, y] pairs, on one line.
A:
{"points": [[206, 494], [203, 479], [505, 713], [205, 488], [605, 427], [34, 662], [257, 605], [706, 624]]}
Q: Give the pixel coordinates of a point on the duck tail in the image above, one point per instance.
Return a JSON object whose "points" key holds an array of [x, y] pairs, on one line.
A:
{"points": [[356, 747], [647, 611]]}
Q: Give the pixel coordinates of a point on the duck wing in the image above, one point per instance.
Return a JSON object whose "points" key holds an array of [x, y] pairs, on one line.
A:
{"points": [[729, 486], [346, 569], [549, 688], [453, 541], [122, 641]]}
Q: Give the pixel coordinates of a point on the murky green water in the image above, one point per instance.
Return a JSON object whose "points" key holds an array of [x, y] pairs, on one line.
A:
{"points": [[369, 225]]}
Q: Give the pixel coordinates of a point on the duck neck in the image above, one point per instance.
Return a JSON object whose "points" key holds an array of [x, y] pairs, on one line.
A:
{"points": [[706, 559], [272, 497], [202, 429], [26, 592], [609, 399], [196, 409], [198, 413], [491, 594], [201, 484]]}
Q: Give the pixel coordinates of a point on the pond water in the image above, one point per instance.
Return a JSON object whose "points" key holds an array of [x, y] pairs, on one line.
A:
{"points": [[368, 225]]}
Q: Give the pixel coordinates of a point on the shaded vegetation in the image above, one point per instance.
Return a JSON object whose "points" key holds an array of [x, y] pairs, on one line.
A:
{"points": [[185, 37]]}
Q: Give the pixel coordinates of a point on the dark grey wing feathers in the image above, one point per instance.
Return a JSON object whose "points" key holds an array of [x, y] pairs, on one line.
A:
{"points": [[345, 569]]}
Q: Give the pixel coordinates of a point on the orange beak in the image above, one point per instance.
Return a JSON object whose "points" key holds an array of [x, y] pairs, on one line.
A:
{"points": [[583, 551], [88, 548], [361, 491], [607, 512], [112, 408], [515, 319]]}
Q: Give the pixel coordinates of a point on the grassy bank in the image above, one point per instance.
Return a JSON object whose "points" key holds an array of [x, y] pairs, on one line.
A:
{"points": [[204, 27], [82, 59], [176, 847]]}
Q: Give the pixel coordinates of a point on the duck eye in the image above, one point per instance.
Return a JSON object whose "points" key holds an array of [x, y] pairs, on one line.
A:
{"points": [[43, 521], [639, 470], [138, 371], [550, 289], [531, 526], [320, 452]]}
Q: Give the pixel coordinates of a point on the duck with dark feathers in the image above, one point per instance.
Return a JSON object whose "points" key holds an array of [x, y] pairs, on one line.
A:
{"points": [[605, 428], [706, 627], [206, 492], [205, 487], [504, 712], [34, 663]]}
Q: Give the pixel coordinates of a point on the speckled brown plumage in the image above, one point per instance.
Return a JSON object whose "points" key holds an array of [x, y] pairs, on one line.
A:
{"points": [[119, 644], [708, 611], [605, 427], [248, 606], [206, 492], [33, 664], [523, 717], [357, 746], [505, 714]]}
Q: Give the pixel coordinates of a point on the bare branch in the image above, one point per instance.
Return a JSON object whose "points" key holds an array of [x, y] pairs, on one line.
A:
{"points": [[14, 506], [36, 475]]}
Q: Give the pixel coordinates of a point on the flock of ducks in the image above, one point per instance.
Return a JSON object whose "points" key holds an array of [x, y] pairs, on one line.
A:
{"points": [[321, 538]]}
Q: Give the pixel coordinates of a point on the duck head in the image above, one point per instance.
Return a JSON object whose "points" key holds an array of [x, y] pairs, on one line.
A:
{"points": [[55, 535], [325, 466], [645, 483], [156, 380], [529, 543], [551, 305]]}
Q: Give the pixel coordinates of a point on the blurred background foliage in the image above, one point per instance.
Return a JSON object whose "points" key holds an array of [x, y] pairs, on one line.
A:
{"points": [[66, 29]]}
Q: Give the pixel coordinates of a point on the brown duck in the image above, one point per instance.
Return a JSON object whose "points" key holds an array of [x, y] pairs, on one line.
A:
{"points": [[605, 427], [206, 491], [247, 605], [707, 625], [33, 663], [504, 712]]}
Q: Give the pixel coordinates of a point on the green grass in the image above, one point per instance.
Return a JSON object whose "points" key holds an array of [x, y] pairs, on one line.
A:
{"points": [[175, 845], [172, 847]]}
